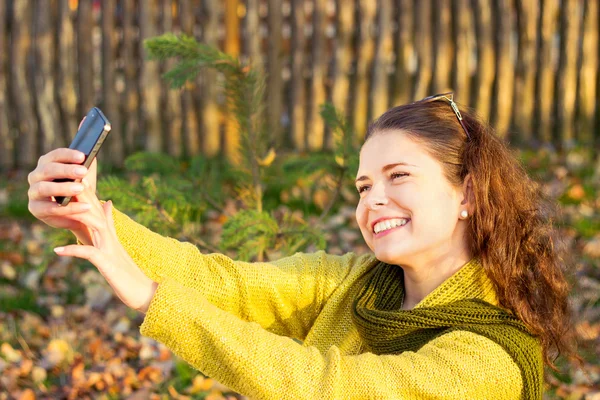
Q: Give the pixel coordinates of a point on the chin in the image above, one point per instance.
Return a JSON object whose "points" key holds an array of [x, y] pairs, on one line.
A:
{"points": [[390, 256]]}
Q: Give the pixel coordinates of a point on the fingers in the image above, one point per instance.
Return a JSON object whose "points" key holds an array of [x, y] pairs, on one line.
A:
{"points": [[62, 155], [44, 209], [44, 190], [89, 253], [55, 170]]}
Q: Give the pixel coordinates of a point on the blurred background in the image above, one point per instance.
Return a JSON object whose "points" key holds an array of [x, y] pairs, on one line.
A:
{"points": [[529, 67]]}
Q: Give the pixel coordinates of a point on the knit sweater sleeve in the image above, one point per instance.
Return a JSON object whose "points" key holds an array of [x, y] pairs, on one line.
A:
{"points": [[264, 365], [284, 296]]}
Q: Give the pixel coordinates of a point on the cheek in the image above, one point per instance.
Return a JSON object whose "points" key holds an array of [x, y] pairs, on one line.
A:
{"points": [[437, 214]]}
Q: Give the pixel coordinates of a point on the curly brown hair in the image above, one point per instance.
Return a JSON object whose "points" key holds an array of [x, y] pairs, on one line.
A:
{"points": [[511, 229]]}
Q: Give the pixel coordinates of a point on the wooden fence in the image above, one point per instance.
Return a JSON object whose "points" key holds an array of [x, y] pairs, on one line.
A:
{"points": [[528, 66]]}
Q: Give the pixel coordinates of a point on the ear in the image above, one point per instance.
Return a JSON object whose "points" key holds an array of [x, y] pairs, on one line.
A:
{"points": [[468, 194]]}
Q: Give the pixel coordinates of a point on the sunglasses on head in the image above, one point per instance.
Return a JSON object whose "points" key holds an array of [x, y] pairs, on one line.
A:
{"points": [[450, 98]]}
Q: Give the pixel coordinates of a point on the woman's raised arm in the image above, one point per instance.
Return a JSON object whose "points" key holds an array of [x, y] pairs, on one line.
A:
{"points": [[262, 365]]}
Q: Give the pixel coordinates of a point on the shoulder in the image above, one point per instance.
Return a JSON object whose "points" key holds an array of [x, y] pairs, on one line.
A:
{"points": [[349, 262]]}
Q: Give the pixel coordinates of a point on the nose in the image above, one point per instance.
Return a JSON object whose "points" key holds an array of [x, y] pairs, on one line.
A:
{"points": [[376, 197]]}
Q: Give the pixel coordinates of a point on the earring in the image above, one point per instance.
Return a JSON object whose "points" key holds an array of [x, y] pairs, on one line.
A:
{"points": [[464, 213]]}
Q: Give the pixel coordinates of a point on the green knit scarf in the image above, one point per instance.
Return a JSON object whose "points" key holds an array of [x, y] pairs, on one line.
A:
{"points": [[386, 329]]}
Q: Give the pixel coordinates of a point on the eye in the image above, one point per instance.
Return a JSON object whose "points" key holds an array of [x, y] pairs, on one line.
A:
{"points": [[395, 175], [362, 188]]}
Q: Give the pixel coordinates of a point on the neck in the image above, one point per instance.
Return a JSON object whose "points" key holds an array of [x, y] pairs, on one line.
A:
{"points": [[422, 279]]}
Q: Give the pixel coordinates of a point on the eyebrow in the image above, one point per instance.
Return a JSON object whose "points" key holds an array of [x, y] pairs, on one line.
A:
{"points": [[384, 169]]}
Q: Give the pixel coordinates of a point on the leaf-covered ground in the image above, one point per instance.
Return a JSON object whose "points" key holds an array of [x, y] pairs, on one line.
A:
{"points": [[64, 336]]}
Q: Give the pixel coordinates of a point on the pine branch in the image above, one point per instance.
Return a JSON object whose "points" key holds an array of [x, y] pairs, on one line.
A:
{"points": [[244, 90], [250, 232]]}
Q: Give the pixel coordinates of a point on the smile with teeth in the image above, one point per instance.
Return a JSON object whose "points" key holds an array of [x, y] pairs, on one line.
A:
{"points": [[389, 224]]}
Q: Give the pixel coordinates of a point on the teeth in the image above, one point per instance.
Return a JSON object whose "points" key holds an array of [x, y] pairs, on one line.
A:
{"points": [[389, 224]]}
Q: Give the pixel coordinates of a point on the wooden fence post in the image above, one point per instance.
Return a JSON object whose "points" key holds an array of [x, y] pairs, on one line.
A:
{"points": [[232, 47], [25, 120], [566, 76], [6, 140], [171, 99], [210, 111], [130, 98], [149, 80], [545, 77], [524, 101], [405, 52], [274, 93], [503, 90], [44, 53], [484, 77], [423, 47], [85, 57], [384, 52], [190, 119], [364, 62], [297, 93], [109, 91], [315, 133], [442, 47], [66, 93], [344, 18], [252, 47], [588, 73], [462, 17]]}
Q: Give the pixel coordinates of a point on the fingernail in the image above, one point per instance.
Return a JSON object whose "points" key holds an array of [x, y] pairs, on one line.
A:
{"points": [[80, 170], [59, 249]]}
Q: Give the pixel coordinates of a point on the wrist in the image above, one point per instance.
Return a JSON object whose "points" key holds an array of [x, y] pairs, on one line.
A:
{"points": [[153, 287]]}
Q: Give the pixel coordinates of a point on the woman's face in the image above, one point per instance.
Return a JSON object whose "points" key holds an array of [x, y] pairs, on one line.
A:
{"points": [[403, 188]]}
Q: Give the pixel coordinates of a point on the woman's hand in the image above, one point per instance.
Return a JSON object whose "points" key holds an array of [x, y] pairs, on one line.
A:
{"points": [[60, 163], [128, 281], [57, 164]]}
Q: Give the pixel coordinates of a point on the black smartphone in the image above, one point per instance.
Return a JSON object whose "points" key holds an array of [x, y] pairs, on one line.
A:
{"points": [[89, 138]]}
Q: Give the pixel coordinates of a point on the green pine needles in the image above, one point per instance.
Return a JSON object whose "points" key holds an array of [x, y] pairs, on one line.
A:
{"points": [[244, 90]]}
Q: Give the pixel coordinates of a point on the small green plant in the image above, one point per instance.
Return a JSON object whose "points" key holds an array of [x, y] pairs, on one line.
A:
{"points": [[254, 229]]}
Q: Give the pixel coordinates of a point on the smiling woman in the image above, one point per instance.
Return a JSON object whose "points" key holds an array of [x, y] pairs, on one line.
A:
{"points": [[463, 296], [466, 197]]}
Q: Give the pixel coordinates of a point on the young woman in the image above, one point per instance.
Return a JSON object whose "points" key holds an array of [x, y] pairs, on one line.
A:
{"points": [[462, 298]]}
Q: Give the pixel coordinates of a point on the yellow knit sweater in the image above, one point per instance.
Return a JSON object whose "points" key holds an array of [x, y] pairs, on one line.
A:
{"points": [[234, 322]]}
